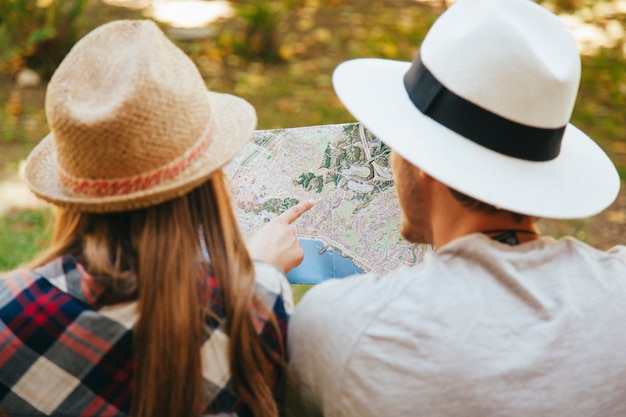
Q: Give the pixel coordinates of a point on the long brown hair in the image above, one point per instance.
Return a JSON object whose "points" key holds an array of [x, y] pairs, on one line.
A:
{"points": [[155, 254]]}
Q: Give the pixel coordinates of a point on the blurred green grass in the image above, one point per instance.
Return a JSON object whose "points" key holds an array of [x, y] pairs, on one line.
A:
{"points": [[299, 290], [23, 234]]}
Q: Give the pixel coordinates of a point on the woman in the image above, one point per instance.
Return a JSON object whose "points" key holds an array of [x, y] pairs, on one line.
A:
{"points": [[123, 314]]}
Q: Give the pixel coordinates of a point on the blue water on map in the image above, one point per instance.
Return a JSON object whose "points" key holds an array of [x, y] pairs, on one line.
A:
{"points": [[318, 267]]}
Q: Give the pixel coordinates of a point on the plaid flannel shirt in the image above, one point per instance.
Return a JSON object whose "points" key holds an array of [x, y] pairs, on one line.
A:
{"points": [[66, 344]]}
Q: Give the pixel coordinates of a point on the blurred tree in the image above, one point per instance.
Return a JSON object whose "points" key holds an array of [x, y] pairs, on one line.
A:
{"points": [[262, 18], [37, 33]]}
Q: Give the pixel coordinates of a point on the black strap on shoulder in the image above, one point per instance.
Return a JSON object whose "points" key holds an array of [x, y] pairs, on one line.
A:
{"points": [[509, 237]]}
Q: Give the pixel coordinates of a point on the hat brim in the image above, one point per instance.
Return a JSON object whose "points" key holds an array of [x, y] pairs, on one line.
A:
{"points": [[580, 182], [234, 121]]}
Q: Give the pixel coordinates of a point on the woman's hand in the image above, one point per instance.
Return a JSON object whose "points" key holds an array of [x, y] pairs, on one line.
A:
{"points": [[276, 242]]}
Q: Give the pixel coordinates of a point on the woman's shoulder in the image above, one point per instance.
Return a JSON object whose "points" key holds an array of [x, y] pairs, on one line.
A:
{"points": [[63, 275], [273, 288], [15, 283], [22, 280]]}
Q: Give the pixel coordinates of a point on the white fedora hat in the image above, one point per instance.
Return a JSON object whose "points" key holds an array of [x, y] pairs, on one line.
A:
{"points": [[485, 109]]}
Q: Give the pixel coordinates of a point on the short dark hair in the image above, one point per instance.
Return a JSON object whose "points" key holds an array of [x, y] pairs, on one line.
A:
{"points": [[477, 205]]}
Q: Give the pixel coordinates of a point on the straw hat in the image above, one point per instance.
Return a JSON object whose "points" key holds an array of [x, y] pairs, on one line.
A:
{"points": [[485, 109], [132, 123]]}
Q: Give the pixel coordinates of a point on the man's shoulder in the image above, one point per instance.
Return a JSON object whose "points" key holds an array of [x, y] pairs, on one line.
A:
{"points": [[357, 297], [330, 318], [358, 286], [478, 248], [571, 248], [618, 251]]}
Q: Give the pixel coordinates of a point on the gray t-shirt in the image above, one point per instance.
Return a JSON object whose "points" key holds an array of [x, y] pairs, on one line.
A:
{"points": [[478, 329]]}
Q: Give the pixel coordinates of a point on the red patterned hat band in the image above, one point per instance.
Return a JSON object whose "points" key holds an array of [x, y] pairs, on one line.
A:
{"points": [[142, 182]]}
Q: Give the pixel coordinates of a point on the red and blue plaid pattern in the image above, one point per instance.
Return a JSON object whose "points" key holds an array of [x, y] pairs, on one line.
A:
{"points": [[66, 344]]}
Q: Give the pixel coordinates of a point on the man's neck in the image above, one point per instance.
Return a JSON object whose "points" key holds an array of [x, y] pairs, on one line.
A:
{"points": [[451, 220], [449, 229]]}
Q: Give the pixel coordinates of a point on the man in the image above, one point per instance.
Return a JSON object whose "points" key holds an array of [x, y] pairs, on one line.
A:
{"points": [[500, 321]]}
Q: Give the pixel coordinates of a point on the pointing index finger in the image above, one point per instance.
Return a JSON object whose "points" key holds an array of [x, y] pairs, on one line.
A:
{"points": [[293, 213]]}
